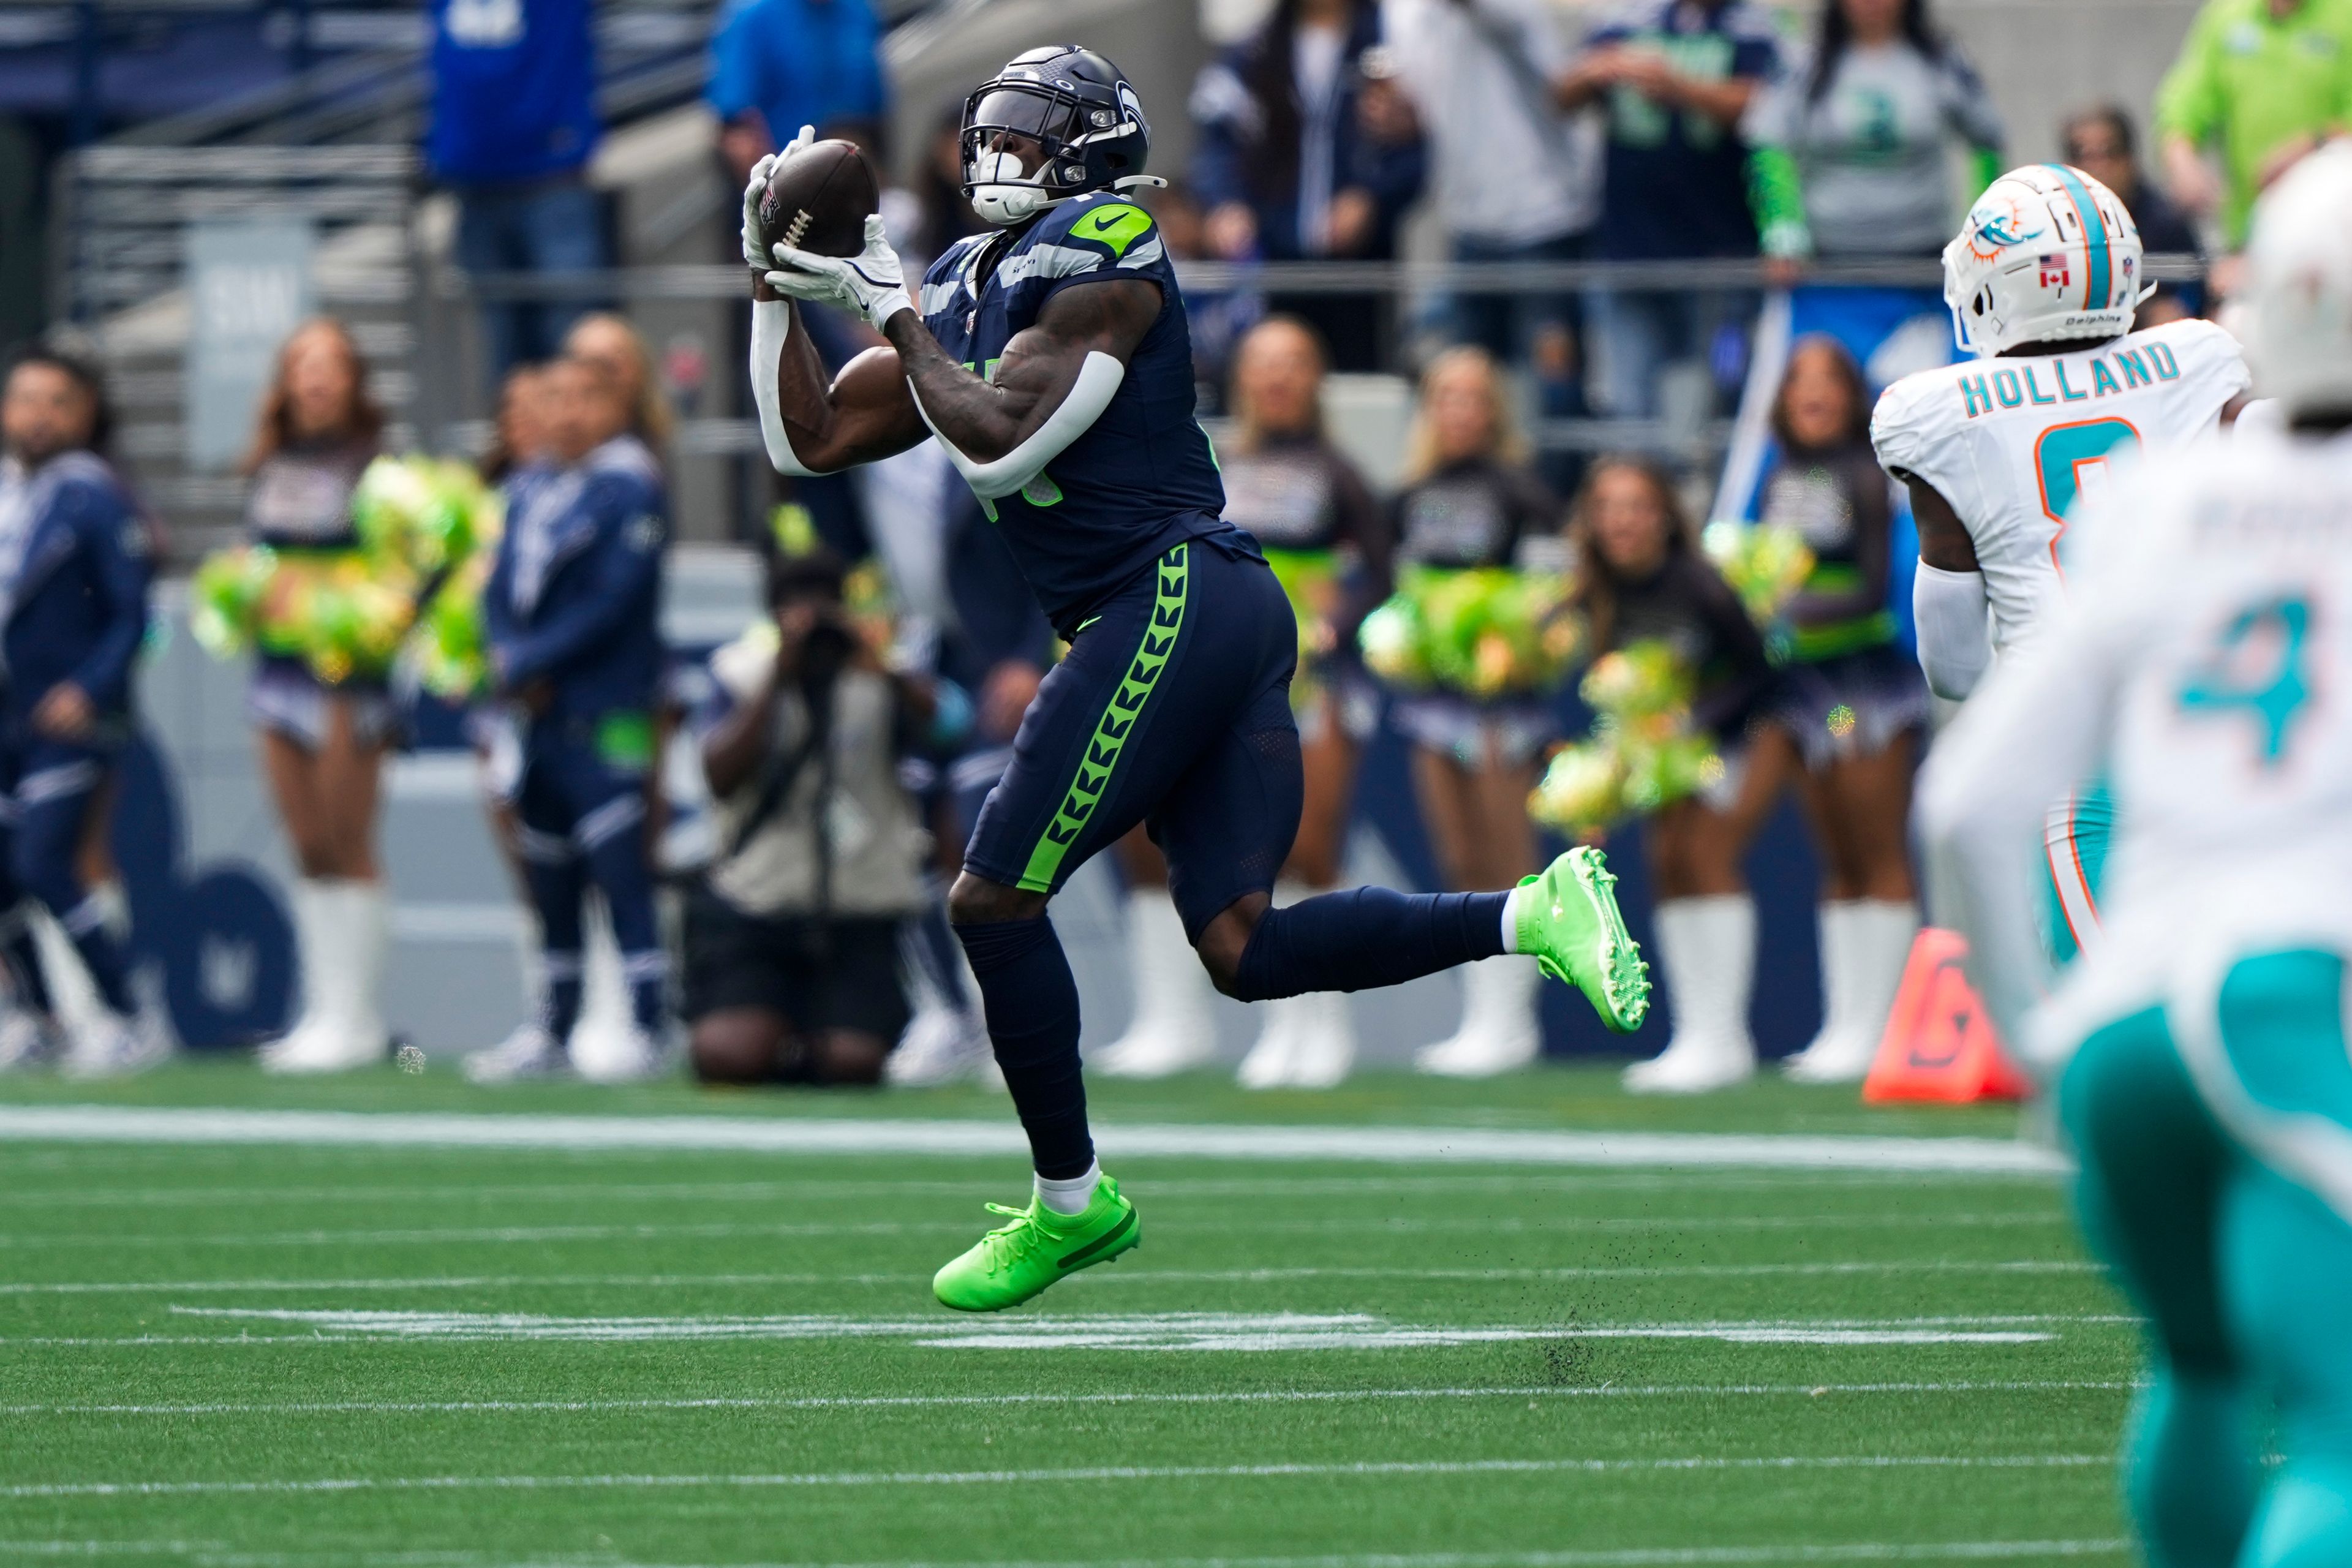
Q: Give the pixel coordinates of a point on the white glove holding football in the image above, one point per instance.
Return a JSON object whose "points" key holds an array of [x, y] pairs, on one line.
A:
{"points": [[755, 250], [871, 283]]}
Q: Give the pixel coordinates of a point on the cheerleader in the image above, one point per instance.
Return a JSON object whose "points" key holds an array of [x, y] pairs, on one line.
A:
{"points": [[1642, 579], [323, 746], [1470, 499], [1852, 700]]}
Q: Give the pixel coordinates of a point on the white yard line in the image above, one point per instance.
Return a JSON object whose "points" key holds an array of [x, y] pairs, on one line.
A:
{"points": [[1150, 1332], [1371, 1468], [213, 1555], [1099, 1277], [844, 1135], [928, 1400], [512, 1234]]}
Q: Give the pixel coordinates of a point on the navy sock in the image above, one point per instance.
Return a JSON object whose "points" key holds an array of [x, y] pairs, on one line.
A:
{"points": [[557, 883], [1032, 1003], [1364, 938]]}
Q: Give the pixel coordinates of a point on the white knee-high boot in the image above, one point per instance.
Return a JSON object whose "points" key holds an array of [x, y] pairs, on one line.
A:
{"points": [[306, 900], [1863, 957], [1499, 1032], [342, 982], [1174, 1026], [1708, 949]]}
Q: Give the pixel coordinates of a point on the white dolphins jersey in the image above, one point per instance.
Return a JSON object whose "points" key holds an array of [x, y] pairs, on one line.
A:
{"points": [[2011, 442], [2203, 659]]}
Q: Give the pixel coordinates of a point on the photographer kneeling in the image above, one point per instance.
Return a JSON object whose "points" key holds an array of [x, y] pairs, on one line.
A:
{"points": [[792, 940]]}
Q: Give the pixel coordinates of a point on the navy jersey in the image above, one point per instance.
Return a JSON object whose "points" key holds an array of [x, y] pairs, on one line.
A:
{"points": [[1142, 477]]}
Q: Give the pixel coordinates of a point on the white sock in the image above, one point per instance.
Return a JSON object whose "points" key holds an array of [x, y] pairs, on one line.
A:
{"points": [[1511, 917], [1071, 1196]]}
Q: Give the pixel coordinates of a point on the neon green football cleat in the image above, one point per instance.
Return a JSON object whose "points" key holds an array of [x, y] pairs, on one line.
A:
{"points": [[1016, 1261], [1569, 920]]}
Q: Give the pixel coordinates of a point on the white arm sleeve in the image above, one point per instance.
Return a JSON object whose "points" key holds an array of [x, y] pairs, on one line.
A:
{"points": [[1098, 382], [771, 322], [2037, 731], [1955, 640]]}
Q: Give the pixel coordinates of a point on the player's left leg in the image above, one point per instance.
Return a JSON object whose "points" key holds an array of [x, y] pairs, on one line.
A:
{"points": [[1228, 825], [2149, 1191], [2285, 1246]]}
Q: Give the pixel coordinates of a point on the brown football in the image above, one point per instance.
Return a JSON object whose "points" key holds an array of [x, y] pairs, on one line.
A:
{"points": [[818, 199]]}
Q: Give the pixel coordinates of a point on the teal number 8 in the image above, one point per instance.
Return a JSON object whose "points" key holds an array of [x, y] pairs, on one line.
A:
{"points": [[2273, 705], [2061, 454]]}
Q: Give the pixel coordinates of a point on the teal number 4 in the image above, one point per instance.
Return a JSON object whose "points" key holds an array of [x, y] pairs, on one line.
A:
{"points": [[2219, 687]]}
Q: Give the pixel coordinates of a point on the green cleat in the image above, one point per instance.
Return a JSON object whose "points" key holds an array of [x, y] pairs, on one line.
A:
{"points": [[1571, 923], [1011, 1264]]}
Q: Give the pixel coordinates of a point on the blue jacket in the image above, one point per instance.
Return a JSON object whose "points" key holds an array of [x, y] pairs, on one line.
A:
{"points": [[575, 594], [74, 570], [798, 62], [1242, 156], [514, 89]]}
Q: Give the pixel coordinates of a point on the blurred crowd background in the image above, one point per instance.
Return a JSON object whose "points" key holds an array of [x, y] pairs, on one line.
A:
{"points": [[1533, 286]]}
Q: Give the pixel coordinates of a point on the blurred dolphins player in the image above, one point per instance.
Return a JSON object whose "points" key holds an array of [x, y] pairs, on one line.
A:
{"points": [[2204, 658], [1052, 359], [2042, 280]]}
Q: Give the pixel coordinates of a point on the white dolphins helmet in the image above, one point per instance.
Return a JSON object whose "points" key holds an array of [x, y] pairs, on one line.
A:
{"points": [[2047, 254], [2299, 269]]}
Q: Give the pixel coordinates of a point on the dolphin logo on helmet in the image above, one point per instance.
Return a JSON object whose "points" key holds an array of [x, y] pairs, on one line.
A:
{"points": [[2048, 255]]}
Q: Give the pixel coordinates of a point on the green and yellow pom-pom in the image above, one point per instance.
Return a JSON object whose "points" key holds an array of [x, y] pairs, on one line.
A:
{"points": [[1642, 754], [350, 613], [1485, 632], [1765, 566]]}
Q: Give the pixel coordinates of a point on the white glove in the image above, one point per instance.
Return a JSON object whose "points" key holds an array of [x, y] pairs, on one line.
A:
{"points": [[755, 254], [871, 283]]}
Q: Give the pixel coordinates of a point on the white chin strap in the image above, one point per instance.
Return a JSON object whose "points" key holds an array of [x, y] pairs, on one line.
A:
{"points": [[996, 197], [1098, 382]]}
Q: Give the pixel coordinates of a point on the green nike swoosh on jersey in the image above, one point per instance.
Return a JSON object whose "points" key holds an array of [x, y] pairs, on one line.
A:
{"points": [[1016, 1261]]}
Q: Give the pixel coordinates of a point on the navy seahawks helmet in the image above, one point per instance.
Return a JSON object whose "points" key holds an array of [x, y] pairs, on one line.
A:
{"points": [[1082, 115]]}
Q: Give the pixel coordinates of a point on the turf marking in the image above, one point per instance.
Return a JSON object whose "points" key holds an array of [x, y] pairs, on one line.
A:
{"points": [[1618, 1557], [1099, 1277], [927, 1400], [724, 1230], [1073, 1474], [1142, 1332], [1440, 1184], [847, 1135]]}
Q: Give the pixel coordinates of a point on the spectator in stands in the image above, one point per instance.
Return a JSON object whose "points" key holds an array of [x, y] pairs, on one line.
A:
{"points": [[1852, 144], [573, 615], [1852, 702], [2259, 83], [1293, 164], [616, 347], [75, 562], [778, 65], [1470, 499], [2101, 141], [1675, 77], [1642, 578], [323, 747], [514, 123], [791, 941], [1516, 179]]}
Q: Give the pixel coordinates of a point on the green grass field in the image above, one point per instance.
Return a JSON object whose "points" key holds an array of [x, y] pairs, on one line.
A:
{"points": [[424, 1354]]}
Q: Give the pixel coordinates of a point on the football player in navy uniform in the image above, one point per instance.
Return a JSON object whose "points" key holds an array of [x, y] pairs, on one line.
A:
{"points": [[1052, 360]]}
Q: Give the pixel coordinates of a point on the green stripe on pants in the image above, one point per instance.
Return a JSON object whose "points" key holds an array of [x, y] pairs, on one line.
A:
{"points": [[1111, 730]]}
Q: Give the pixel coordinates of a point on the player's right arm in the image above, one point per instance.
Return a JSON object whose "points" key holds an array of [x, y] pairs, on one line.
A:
{"points": [[1948, 595], [812, 424]]}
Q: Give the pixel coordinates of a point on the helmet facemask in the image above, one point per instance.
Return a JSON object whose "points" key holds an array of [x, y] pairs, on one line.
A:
{"points": [[1025, 146]]}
